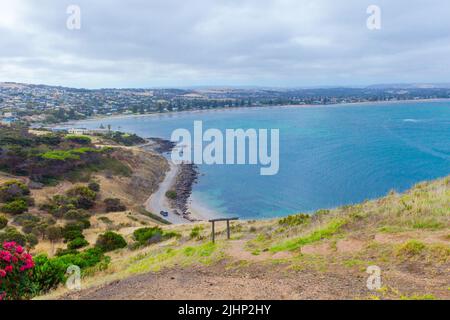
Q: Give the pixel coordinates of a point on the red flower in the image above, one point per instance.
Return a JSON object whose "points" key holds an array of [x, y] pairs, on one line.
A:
{"points": [[2, 273]]}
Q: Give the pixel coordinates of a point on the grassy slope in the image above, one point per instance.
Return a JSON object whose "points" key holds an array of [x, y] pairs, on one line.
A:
{"points": [[406, 235]]}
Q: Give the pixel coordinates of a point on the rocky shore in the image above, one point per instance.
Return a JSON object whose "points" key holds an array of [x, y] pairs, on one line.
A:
{"points": [[158, 145], [186, 176]]}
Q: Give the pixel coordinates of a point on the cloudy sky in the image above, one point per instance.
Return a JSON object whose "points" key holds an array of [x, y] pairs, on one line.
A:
{"points": [[154, 43]]}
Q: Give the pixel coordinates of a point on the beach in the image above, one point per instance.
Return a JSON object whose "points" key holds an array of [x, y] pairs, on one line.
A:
{"points": [[180, 178]]}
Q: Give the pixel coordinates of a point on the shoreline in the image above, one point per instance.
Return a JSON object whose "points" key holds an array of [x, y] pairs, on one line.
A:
{"points": [[190, 204], [181, 178], [172, 113]]}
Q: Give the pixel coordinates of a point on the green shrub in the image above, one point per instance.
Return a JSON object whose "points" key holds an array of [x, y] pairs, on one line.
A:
{"points": [[10, 234], [94, 186], [114, 205], [84, 198], [13, 190], [25, 218], [54, 233], [171, 194], [78, 139], [77, 243], [32, 240], [15, 207], [3, 222], [294, 220], [411, 248], [64, 252], [151, 235], [76, 214], [110, 241], [48, 273], [196, 232]]}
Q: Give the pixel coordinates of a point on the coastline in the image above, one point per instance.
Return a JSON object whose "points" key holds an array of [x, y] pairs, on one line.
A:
{"points": [[181, 178], [172, 113], [197, 209]]}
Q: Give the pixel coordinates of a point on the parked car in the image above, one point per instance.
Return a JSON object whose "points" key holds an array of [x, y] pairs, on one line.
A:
{"points": [[164, 213]]}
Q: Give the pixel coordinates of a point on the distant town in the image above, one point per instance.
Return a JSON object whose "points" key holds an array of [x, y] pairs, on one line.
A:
{"points": [[41, 104]]}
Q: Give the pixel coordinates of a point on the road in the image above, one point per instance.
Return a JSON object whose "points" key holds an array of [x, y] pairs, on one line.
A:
{"points": [[158, 202]]}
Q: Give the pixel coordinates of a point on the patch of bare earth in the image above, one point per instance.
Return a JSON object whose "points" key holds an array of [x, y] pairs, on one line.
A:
{"points": [[217, 282]]}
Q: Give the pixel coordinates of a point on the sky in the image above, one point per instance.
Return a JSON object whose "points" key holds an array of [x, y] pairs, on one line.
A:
{"points": [[183, 43]]}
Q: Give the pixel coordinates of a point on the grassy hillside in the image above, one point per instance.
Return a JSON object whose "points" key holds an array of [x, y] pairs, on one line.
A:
{"points": [[324, 255]]}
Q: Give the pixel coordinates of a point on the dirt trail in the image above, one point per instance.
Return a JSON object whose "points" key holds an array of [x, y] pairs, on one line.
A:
{"points": [[218, 282]]}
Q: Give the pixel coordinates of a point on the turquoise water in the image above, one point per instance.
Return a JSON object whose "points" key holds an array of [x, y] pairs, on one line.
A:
{"points": [[329, 156]]}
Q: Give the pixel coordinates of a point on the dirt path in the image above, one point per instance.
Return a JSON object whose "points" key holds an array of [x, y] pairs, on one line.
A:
{"points": [[218, 282]]}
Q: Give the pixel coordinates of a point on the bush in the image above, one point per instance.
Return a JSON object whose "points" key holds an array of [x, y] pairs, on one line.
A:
{"points": [[13, 235], [3, 222], [77, 243], [84, 198], [114, 205], [196, 232], [78, 139], [15, 272], [75, 214], [94, 186], [15, 207], [13, 190], [54, 233], [410, 248], [48, 273], [294, 220], [171, 194], [110, 241], [152, 235]]}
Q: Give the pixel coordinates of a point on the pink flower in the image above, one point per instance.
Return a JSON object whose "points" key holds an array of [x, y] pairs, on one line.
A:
{"points": [[8, 269], [2, 273], [19, 249]]}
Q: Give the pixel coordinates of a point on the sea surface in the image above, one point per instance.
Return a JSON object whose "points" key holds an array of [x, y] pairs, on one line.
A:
{"points": [[329, 155]]}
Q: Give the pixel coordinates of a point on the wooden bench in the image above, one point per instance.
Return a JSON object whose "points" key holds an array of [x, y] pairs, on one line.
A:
{"points": [[213, 221]]}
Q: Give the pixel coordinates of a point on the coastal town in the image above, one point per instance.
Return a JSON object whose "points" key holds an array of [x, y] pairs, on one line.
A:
{"points": [[42, 104]]}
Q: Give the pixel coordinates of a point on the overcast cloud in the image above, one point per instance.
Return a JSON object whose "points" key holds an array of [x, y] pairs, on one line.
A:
{"points": [[151, 43]]}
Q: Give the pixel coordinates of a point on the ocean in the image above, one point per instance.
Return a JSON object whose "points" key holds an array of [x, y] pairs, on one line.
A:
{"points": [[329, 155]]}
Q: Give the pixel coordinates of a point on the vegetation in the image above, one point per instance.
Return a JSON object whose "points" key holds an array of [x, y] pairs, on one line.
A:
{"points": [[94, 186], [78, 139], [110, 241], [126, 139], [15, 266], [15, 207], [3, 222], [48, 157], [77, 198], [171, 194], [323, 233], [15, 196], [146, 236], [196, 233], [48, 273], [77, 243], [113, 205], [294, 220]]}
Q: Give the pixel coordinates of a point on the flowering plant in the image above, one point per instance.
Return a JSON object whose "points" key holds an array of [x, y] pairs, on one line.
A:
{"points": [[15, 271]]}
